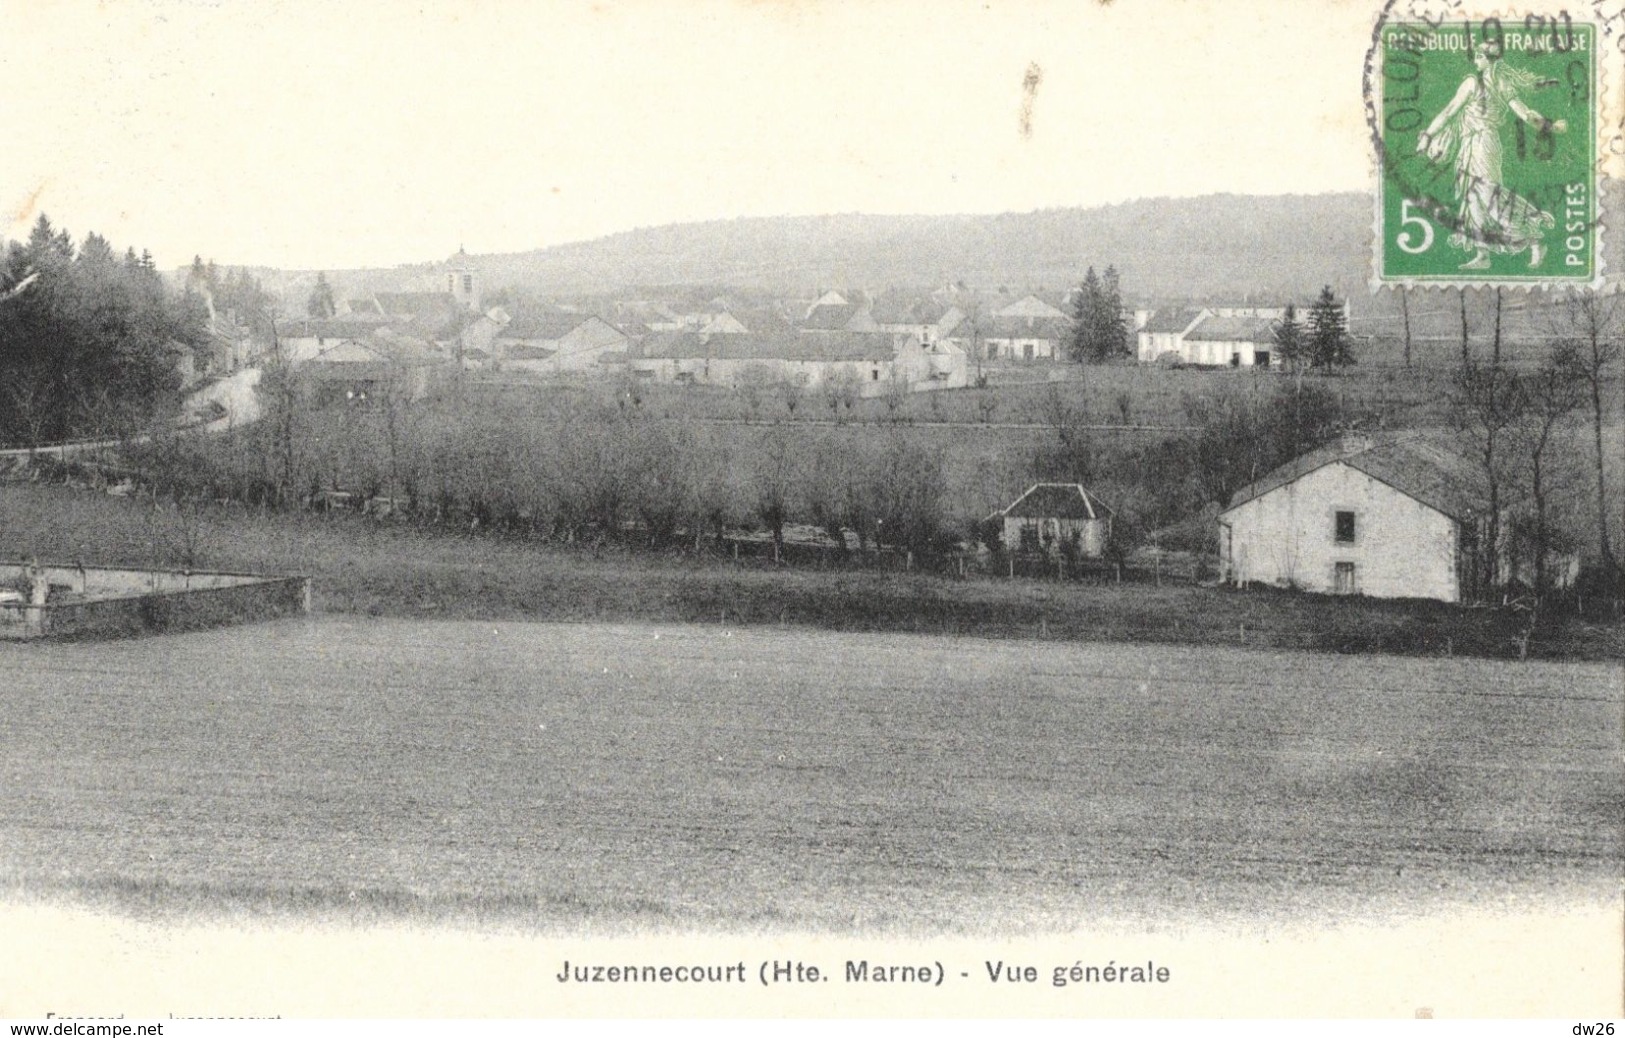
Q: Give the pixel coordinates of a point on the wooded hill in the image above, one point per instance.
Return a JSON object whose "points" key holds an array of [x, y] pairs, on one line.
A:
{"points": [[1216, 247], [1220, 245]]}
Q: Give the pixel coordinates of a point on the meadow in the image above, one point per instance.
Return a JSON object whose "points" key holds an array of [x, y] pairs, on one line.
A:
{"points": [[361, 566], [612, 777]]}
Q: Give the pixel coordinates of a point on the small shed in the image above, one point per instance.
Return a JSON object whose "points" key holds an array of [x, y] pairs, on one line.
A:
{"points": [[1058, 518]]}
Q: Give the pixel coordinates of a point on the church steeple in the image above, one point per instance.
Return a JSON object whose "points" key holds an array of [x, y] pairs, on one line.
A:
{"points": [[462, 281]]}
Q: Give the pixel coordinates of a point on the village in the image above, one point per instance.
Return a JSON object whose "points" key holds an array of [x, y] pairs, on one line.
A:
{"points": [[1361, 503]]}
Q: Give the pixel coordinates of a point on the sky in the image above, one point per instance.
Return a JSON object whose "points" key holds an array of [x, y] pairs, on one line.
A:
{"points": [[348, 133]]}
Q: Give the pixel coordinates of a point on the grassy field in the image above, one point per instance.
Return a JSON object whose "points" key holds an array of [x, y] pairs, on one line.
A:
{"points": [[1125, 393], [360, 566], [606, 777]]}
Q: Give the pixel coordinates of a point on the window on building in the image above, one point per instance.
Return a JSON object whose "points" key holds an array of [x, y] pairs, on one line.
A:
{"points": [[1345, 579], [468, 282], [1345, 528]]}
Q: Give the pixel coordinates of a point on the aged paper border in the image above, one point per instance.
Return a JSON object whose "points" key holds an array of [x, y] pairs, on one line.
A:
{"points": [[1536, 960]]}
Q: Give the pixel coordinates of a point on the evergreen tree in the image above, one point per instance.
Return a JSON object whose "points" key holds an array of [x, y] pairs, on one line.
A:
{"points": [[1289, 344], [321, 303], [1113, 332], [93, 338], [96, 253], [1329, 343], [1083, 309], [200, 279], [1098, 333]]}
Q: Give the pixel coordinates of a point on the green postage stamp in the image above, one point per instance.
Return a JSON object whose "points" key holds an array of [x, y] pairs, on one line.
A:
{"points": [[1486, 134]]}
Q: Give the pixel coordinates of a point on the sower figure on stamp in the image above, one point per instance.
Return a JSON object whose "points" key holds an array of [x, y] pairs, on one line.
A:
{"points": [[1467, 134]]}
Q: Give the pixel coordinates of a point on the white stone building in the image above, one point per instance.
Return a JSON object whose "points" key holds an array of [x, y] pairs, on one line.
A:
{"points": [[1402, 516]]}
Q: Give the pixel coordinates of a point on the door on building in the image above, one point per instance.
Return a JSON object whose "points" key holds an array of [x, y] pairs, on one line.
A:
{"points": [[1344, 583]]}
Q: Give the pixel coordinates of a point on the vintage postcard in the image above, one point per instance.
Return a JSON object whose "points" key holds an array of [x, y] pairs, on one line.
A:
{"points": [[742, 508]]}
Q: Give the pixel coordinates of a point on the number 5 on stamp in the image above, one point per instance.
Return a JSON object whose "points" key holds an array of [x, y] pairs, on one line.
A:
{"points": [[1486, 137]]}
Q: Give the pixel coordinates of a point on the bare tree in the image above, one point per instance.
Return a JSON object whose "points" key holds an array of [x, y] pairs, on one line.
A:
{"points": [[986, 403], [1405, 317], [790, 392], [1489, 400], [841, 389], [897, 390], [1551, 394], [1595, 324], [777, 479], [908, 486], [752, 383], [827, 479], [1073, 456], [280, 384], [393, 400], [31, 403]]}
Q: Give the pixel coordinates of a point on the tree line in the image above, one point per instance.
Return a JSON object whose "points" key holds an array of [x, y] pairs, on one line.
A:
{"points": [[89, 341], [1513, 419], [598, 469]]}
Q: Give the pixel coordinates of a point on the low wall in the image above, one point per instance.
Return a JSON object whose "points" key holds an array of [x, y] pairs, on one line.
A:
{"points": [[121, 603], [105, 581]]}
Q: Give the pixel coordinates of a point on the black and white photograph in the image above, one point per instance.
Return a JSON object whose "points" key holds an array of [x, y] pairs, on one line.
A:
{"points": [[802, 508]]}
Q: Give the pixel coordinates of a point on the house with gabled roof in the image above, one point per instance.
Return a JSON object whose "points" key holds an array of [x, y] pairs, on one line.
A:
{"points": [[785, 356], [926, 319], [874, 361], [1393, 516], [1014, 338], [723, 323], [1031, 306], [556, 342], [1239, 342], [361, 308], [1163, 333], [839, 317], [830, 298], [367, 372], [646, 315], [1056, 518], [301, 341]]}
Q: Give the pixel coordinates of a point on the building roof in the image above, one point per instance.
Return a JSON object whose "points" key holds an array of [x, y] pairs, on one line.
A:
{"points": [[829, 347], [316, 328], [526, 351], [724, 323], [830, 317], [362, 307], [1030, 306], [1056, 501], [350, 352], [1422, 467], [415, 304], [1171, 320], [545, 327], [371, 359], [1232, 329], [1056, 328]]}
